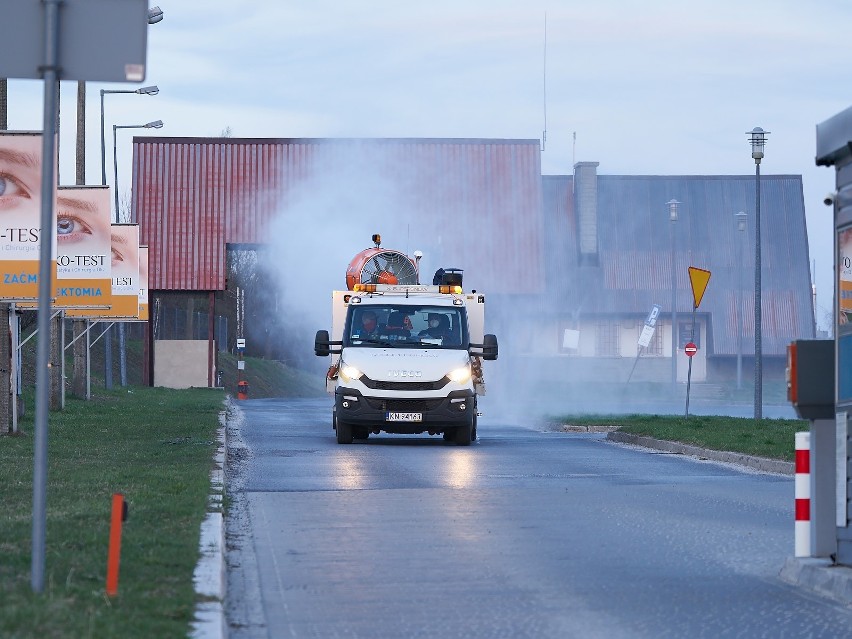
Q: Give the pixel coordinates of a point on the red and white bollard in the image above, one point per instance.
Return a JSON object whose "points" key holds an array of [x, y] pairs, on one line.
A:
{"points": [[803, 494]]}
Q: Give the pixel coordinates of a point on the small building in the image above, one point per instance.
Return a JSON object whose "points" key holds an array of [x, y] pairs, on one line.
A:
{"points": [[614, 253]]}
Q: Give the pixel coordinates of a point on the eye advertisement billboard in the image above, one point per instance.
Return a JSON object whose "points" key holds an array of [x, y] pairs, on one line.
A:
{"points": [[83, 247], [20, 215], [143, 283], [125, 271]]}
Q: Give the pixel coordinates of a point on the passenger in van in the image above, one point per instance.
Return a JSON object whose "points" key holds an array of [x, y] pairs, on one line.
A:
{"points": [[439, 326], [396, 324]]}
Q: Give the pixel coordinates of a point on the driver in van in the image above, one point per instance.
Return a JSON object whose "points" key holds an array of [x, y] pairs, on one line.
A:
{"points": [[369, 325]]}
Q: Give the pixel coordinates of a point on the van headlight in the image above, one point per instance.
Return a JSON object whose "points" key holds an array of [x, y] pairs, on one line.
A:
{"points": [[460, 375], [348, 372]]}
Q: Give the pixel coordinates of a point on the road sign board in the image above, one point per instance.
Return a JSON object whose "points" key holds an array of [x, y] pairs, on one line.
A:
{"points": [[645, 337], [98, 40], [652, 316], [690, 349], [699, 278]]}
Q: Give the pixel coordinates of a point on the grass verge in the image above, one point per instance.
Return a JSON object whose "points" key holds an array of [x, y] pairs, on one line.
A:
{"points": [[772, 438], [155, 446]]}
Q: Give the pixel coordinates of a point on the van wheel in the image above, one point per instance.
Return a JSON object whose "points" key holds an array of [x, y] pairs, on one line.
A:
{"points": [[463, 435], [473, 430], [344, 432]]}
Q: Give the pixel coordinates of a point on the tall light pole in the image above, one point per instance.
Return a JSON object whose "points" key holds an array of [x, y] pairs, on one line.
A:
{"points": [[156, 124], [151, 90], [741, 227], [673, 204], [757, 137]]}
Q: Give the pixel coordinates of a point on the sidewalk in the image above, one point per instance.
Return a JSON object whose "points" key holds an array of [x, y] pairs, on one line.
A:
{"points": [[819, 575]]}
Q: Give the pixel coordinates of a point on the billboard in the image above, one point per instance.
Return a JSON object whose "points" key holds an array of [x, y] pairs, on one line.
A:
{"points": [[125, 271], [143, 283], [844, 272], [83, 263], [20, 205]]}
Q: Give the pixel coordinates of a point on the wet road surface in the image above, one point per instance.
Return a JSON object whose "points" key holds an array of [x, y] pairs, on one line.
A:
{"points": [[526, 533]]}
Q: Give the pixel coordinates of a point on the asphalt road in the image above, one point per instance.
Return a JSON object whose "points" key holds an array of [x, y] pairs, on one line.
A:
{"points": [[526, 533]]}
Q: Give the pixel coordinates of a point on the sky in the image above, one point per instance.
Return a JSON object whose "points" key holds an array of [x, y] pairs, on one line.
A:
{"points": [[643, 88]]}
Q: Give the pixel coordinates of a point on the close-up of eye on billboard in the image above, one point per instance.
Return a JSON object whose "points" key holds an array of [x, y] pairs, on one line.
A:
{"points": [[83, 247], [125, 271], [20, 215]]}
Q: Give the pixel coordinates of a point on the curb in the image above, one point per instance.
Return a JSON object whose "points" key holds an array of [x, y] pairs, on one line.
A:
{"points": [[819, 576], [761, 464], [209, 575]]}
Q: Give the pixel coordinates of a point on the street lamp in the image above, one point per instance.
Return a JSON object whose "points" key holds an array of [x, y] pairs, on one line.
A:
{"points": [[152, 90], [155, 14], [741, 227], [673, 204], [156, 124], [757, 138]]}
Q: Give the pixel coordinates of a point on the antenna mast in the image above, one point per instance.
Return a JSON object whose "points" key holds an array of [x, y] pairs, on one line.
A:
{"points": [[544, 86], [574, 150]]}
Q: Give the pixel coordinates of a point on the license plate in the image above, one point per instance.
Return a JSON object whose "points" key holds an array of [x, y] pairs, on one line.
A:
{"points": [[404, 417]]}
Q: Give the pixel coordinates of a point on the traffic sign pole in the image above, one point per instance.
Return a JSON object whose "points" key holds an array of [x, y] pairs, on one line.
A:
{"points": [[690, 349]]}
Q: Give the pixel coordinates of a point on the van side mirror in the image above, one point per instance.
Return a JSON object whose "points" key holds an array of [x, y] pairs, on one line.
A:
{"points": [[489, 347], [323, 345]]}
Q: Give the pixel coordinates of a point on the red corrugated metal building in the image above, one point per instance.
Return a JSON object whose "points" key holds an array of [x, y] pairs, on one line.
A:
{"points": [[481, 199]]}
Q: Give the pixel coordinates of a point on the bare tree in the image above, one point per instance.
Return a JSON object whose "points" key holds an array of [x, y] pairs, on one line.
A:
{"points": [[125, 207], [4, 103]]}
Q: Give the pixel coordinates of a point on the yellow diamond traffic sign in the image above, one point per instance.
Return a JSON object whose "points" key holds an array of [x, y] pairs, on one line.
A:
{"points": [[699, 278]]}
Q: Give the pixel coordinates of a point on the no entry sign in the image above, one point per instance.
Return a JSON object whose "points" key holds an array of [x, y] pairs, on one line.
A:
{"points": [[690, 349]]}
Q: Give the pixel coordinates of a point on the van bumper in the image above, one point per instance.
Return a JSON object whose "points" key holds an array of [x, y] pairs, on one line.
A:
{"points": [[458, 408]]}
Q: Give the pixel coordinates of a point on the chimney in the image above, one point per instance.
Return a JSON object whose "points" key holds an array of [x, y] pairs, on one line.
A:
{"points": [[586, 206]]}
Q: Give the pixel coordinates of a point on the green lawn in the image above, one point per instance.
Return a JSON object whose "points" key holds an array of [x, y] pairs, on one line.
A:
{"points": [[773, 438], [156, 447]]}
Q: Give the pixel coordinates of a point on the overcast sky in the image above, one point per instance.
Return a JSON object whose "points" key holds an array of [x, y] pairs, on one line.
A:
{"points": [[660, 87]]}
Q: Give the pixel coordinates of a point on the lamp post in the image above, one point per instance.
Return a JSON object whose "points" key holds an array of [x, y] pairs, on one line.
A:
{"points": [[673, 204], [151, 90], [156, 124], [757, 138], [741, 227]]}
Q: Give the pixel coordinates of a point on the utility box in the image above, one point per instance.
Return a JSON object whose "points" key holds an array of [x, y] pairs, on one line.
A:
{"points": [[810, 378]]}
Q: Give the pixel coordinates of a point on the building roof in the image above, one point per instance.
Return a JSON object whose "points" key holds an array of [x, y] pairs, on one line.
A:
{"points": [[636, 239]]}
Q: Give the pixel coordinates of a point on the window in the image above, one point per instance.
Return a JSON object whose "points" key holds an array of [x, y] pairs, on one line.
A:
{"points": [[607, 338], [406, 326]]}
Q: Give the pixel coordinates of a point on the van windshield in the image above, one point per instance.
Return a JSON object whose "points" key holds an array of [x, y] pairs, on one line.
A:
{"points": [[406, 326]]}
